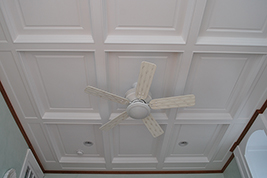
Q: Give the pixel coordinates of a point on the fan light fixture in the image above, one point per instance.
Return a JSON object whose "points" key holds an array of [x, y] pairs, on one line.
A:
{"points": [[139, 101], [138, 110]]}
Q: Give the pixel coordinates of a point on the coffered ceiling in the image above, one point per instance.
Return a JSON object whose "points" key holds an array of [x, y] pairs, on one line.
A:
{"points": [[51, 50]]}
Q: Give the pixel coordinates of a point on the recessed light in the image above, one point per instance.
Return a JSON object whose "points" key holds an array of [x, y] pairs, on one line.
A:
{"points": [[183, 143], [88, 143]]}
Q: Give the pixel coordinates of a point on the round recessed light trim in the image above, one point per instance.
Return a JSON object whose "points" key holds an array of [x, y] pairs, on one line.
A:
{"points": [[88, 143], [183, 143]]}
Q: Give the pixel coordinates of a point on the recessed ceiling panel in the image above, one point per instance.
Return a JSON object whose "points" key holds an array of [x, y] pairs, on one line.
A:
{"points": [[194, 143], [130, 146], [61, 78], [235, 20], [61, 13], [77, 143], [68, 19], [156, 21], [197, 141], [215, 80]]}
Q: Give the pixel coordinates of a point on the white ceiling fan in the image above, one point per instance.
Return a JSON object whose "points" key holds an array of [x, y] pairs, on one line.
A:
{"points": [[139, 101]]}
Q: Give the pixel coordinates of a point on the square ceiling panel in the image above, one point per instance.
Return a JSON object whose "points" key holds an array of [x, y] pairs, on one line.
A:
{"points": [[61, 78], [218, 80], [131, 147], [67, 21], [65, 134], [150, 21], [194, 148], [222, 24]]}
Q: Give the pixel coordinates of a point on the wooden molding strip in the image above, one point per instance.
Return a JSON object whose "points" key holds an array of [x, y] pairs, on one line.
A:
{"points": [[251, 121], [15, 116], [133, 172], [262, 109], [228, 162]]}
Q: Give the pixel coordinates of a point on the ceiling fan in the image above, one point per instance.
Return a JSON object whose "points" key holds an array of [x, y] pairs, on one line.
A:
{"points": [[139, 101]]}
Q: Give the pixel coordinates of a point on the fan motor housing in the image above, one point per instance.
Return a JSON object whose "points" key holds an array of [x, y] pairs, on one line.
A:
{"points": [[137, 109]]}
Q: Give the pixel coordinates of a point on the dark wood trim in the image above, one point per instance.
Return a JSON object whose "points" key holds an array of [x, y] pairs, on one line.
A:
{"points": [[134, 172], [263, 108], [228, 162], [15, 116], [251, 121]]}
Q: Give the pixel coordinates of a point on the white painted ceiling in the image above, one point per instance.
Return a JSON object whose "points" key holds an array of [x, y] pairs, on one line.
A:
{"points": [[51, 50]]}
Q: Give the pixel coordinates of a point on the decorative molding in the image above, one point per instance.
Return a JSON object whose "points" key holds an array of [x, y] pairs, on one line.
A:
{"points": [[251, 121], [54, 39], [119, 39], [135, 172], [228, 162]]}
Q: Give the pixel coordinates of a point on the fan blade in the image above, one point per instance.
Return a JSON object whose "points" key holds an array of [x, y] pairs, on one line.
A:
{"points": [[106, 95], [173, 102], [115, 121], [146, 74], [153, 126]]}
